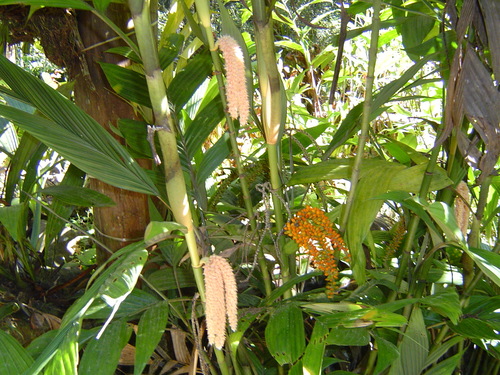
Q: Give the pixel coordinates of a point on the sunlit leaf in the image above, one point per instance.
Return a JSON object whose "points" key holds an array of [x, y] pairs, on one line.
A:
{"points": [[487, 261]]}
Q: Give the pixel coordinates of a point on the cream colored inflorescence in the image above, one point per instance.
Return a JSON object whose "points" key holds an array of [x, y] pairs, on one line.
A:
{"points": [[221, 299], [236, 86], [462, 210]]}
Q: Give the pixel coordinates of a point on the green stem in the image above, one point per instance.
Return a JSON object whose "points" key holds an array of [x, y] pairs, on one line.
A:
{"points": [[273, 115], [413, 225], [203, 11], [221, 360], [367, 105], [175, 182]]}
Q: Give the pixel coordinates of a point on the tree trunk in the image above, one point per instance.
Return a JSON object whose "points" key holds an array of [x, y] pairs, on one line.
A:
{"points": [[125, 222]]}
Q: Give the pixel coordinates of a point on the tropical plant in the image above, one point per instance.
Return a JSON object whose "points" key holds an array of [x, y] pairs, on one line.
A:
{"points": [[355, 244]]}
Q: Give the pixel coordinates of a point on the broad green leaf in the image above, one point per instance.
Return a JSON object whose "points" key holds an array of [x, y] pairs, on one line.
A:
{"points": [[127, 83], [445, 303], [65, 358], [418, 23], [157, 231], [78, 196], [121, 282], [171, 278], [101, 355], [13, 218], [213, 158], [373, 181], [444, 216], [14, 359], [475, 329], [151, 327], [437, 352], [134, 305], [284, 334], [74, 314], [203, 124], [71, 132], [414, 347], [349, 336], [187, 81], [446, 367], [487, 261], [312, 361], [136, 135], [387, 353]]}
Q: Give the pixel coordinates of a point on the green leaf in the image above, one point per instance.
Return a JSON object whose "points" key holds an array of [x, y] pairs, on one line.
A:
{"points": [[444, 216], [445, 303], [78, 196], [285, 334], [136, 135], [312, 361], [28, 146], [14, 359], [65, 357], [157, 231], [349, 336], [187, 81], [203, 124], [13, 218], [171, 278], [127, 83], [414, 347], [151, 327], [387, 353], [487, 261], [101, 356], [475, 329], [446, 367], [437, 352], [72, 133]]}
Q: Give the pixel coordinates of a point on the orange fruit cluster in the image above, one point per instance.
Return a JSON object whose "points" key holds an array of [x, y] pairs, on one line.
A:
{"points": [[313, 231]]}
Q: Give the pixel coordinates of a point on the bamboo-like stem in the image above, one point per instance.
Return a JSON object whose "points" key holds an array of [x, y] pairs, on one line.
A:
{"points": [[203, 11], [413, 225], [272, 95], [175, 182], [367, 106], [221, 360]]}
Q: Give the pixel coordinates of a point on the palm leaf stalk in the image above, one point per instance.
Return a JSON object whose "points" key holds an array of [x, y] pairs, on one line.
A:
{"points": [[203, 11], [175, 182], [273, 99]]}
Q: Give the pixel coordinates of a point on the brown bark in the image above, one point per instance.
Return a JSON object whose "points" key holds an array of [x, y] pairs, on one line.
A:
{"points": [[125, 222]]}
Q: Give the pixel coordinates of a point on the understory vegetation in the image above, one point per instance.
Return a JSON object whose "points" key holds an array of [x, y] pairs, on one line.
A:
{"points": [[254, 187]]}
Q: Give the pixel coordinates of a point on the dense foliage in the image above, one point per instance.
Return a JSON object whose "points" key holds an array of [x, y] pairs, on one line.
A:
{"points": [[337, 162]]}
